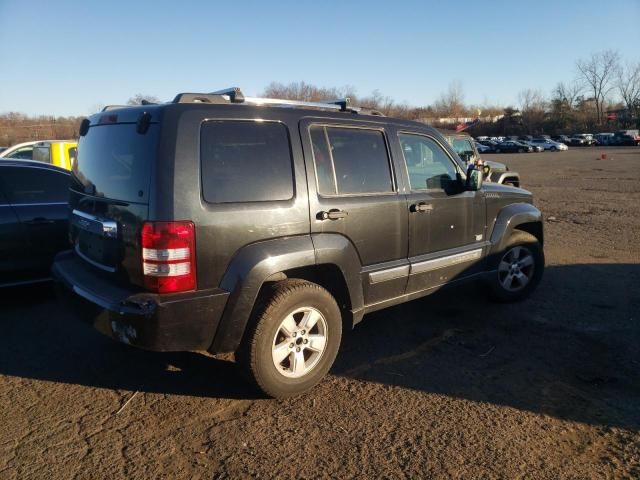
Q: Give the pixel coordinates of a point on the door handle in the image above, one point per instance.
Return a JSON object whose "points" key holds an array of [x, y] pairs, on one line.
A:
{"points": [[421, 207], [333, 214]]}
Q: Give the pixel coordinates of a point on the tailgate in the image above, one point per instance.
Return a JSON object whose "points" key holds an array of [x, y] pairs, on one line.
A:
{"points": [[110, 196]]}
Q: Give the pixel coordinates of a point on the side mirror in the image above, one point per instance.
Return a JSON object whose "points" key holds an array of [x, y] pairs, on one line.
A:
{"points": [[474, 178], [466, 157]]}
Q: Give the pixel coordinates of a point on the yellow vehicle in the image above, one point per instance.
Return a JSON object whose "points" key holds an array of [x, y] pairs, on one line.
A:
{"points": [[61, 153]]}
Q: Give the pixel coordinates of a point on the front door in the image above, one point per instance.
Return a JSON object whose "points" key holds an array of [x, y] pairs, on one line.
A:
{"points": [[446, 223], [353, 194]]}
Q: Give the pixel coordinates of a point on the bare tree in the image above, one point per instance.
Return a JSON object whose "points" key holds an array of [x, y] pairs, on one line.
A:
{"points": [[140, 99], [306, 92], [567, 94], [629, 86], [532, 106], [531, 100], [598, 73], [451, 102]]}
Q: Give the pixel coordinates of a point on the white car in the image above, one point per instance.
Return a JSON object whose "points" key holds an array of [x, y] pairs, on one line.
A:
{"points": [[549, 144]]}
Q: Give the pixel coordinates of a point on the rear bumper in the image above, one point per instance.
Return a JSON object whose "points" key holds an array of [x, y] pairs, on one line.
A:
{"points": [[175, 322]]}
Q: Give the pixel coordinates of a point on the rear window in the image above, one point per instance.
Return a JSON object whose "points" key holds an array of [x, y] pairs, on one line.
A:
{"points": [[245, 161], [114, 161]]}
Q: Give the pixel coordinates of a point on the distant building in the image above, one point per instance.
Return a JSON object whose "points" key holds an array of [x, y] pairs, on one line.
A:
{"points": [[622, 114]]}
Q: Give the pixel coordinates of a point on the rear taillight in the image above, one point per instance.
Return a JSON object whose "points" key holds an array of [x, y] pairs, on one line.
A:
{"points": [[169, 256]]}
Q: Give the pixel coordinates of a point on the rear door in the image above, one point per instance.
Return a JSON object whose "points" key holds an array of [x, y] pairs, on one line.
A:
{"points": [[353, 193], [39, 198]]}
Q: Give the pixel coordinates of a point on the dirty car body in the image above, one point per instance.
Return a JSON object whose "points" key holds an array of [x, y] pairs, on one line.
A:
{"points": [[183, 215]]}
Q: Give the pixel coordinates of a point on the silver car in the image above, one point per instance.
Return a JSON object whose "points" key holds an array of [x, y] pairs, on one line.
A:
{"points": [[547, 144]]}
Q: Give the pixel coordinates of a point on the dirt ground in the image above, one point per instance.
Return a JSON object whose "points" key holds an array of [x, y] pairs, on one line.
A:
{"points": [[450, 386]]}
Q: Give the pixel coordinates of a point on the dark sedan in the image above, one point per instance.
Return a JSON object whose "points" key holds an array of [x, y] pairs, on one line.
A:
{"points": [[511, 146], [33, 219]]}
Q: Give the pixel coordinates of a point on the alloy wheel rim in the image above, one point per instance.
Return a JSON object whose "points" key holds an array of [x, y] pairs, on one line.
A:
{"points": [[516, 269], [299, 342]]}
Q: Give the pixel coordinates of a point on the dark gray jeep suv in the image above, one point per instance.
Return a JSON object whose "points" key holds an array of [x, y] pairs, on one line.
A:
{"points": [[264, 227]]}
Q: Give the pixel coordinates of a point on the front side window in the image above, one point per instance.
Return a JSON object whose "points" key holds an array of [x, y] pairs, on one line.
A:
{"points": [[428, 165], [244, 161], [462, 147], [350, 161]]}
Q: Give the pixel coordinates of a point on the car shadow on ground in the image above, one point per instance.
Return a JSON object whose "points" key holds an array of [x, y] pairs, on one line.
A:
{"points": [[570, 351]]}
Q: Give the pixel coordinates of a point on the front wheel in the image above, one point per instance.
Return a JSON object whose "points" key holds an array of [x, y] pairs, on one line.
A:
{"points": [[293, 339], [553, 149], [520, 150], [518, 269]]}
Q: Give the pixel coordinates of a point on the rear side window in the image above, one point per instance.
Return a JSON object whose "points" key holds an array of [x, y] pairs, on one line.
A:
{"points": [[245, 161], [350, 161], [42, 154], [25, 185]]}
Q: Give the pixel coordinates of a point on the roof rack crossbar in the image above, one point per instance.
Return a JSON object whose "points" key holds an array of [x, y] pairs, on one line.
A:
{"points": [[343, 103], [234, 93]]}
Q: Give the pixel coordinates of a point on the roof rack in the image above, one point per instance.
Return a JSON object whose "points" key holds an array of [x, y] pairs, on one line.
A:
{"points": [[235, 95]]}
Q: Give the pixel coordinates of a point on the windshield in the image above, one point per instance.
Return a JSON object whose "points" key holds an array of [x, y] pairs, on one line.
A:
{"points": [[114, 161]]}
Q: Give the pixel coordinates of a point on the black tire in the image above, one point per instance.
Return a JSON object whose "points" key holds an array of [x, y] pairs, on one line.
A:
{"points": [[497, 150], [518, 242], [553, 149], [520, 150], [276, 302]]}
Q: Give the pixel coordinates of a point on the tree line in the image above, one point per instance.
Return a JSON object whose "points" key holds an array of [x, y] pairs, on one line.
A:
{"points": [[603, 83]]}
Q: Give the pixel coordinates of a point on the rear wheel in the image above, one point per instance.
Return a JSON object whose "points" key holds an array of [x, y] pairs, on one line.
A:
{"points": [[520, 150], [497, 150], [553, 149], [519, 268], [293, 339]]}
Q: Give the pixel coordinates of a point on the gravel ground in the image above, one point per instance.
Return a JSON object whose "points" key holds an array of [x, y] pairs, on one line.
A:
{"points": [[450, 386]]}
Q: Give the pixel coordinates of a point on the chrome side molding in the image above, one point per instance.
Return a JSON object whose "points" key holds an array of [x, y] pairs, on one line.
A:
{"points": [[447, 261]]}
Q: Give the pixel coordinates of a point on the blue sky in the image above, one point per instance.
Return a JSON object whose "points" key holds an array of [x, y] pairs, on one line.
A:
{"points": [[64, 58]]}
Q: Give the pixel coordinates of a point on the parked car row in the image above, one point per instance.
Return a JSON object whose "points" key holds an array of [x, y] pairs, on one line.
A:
{"points": [[619, 138], [520, 145], [468, 151], [560, 142]]}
